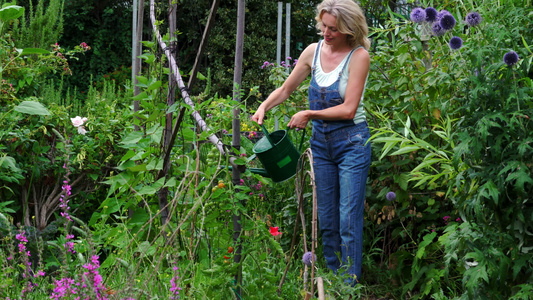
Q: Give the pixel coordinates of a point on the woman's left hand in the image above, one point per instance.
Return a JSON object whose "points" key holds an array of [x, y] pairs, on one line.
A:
{"points": [[299, 120]]}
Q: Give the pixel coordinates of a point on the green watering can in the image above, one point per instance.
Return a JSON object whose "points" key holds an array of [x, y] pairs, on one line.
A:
{"points": [[277, 154]]}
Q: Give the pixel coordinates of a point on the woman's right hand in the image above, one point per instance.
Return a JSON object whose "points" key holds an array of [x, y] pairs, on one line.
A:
{"points": [[259, 116]]}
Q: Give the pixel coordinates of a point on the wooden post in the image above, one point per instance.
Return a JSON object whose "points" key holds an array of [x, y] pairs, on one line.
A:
{"points": [[236, 137]]}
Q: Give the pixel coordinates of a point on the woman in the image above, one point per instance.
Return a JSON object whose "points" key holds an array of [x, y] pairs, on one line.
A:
{"points": [[339, 66]]}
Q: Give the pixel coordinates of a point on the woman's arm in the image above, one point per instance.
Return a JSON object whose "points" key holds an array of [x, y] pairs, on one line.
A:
{"points": [[358, 71], [297, 76]]}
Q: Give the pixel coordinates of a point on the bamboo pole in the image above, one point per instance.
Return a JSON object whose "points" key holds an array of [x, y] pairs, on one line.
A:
{"points": [[203, 43]]}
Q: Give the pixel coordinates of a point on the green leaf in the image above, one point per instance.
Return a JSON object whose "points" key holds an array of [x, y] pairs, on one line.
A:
{"points": [[489, 189], [149, 58], [147, 190], [426, 163], [28, 51], [138, 168], [428, 239], [171, 182], [9, 162], [402, 180], [11, 12], [155, 85], [404, 150], [132, 138], [141, 96], [32, 108]]}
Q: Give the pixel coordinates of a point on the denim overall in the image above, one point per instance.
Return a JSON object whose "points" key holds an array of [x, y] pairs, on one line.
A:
{"points": [[341, 160]]}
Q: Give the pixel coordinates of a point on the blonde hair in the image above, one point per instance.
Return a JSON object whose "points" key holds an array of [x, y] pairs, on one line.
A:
{"points": [[350, 20]]}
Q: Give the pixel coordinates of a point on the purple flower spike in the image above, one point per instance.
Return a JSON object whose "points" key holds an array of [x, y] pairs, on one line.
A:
{"points": [[308, 258], [391, 196], [418, 15], [456, 43], [437, 29], [510, 58], [431, 14], [473, 19], [447, 22]]}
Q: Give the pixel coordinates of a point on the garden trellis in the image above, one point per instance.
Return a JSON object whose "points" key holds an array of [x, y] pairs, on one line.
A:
{"points": [[236, 169], [196, 115]]}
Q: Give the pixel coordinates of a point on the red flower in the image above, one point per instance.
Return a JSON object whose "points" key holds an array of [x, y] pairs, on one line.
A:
{"points": [[274, 231]]}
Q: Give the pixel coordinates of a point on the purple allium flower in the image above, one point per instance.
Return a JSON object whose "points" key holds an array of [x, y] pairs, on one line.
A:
{"points": [[473, 19], [510, 58], [418, 15], [391, 196], [441, 14], [308, 258], [456, 43], [437, 29], [447, 22], [431, 14], [265, 64]]}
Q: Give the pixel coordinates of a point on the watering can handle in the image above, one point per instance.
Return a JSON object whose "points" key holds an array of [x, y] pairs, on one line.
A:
{"points": [[267, 134], [301, 141]]}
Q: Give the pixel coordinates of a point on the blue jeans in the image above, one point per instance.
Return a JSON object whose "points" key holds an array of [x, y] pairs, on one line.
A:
{"points": [[341, 160]]}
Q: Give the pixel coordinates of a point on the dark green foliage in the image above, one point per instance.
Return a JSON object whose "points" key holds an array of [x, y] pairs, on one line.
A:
{"points": [[106, 27], [40, 27]]}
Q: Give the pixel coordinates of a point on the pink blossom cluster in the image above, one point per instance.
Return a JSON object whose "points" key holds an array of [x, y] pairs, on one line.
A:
{"points": [[93, 277], [84, 46], [175, 289], [68, 288], [63, 199], [286, 63], [25, 253], [65, 288]]}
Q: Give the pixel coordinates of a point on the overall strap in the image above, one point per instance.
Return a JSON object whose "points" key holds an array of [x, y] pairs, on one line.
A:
{"points": [[348, 59], [317, 52]]}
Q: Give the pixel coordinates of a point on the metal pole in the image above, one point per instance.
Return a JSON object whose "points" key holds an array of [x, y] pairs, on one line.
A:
{"points": [[287, 31], [280, 25], [134, 41]]}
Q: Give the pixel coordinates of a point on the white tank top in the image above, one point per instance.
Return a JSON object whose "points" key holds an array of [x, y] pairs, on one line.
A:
{"points": [[327, 79]]}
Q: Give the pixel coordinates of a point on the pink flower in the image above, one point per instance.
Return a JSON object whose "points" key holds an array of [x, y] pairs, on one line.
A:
{"points": [[81, 130], [78, 121]]}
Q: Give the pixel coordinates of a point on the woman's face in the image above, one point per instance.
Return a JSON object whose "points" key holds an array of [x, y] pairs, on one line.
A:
{"points": [[332, 36]]}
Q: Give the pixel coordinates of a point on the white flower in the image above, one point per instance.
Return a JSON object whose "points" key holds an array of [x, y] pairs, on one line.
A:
{"points": [[78, 121], [81, 130], [471, 264]]}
